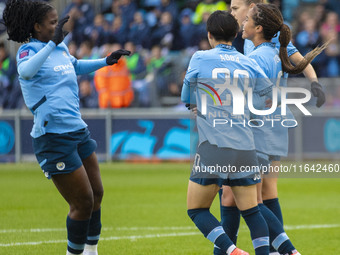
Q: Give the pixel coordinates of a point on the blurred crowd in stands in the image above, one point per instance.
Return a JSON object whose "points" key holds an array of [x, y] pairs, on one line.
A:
{"points": [[162, 36]]}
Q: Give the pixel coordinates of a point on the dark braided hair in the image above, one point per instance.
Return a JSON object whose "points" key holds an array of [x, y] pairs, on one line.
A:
{"points": [[223, 26], [270, 18], [20, 16]]}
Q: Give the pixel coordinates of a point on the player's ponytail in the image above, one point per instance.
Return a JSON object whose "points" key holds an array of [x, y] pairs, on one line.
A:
{"points": [[270, 18], [284, 39], [20, 16]]}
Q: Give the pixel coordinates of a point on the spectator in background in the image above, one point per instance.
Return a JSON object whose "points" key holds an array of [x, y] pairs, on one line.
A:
{"points": [[163, 33], [302, 19], [307, 39], [98, 31], [330, 33], [127, 11], [159, 68], [113, 11], [319, 14], [113, 83], [81, 17], [187, 30], [135, 62], [139, 32], [10, 92], [137, 68], [168, 6], [117, 33], [201, 30], [208, 6], [88, 97]]}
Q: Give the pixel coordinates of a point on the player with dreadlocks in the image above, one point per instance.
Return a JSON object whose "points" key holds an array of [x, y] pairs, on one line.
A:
{"points": [[61, 139]]}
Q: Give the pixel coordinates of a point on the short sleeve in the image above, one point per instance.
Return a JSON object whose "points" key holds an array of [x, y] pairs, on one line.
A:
{"points": [[193, 70], [190, 79]]}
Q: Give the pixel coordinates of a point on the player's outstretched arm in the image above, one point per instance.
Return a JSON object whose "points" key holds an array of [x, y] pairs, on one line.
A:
{"points": [[89, 66]]}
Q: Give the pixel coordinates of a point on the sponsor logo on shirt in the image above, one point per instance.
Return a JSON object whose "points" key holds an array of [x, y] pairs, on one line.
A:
{"points": [[65, 69], [23, 54]]}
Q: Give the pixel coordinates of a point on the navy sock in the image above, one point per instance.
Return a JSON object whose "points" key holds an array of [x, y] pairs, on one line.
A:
{"points": [[277, 236], [95, 227], [274, 206], [76, 235], [210, 227], [258, 230], [230, 221]]}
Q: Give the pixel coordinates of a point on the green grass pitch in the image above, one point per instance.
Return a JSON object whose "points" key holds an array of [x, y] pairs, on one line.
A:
{"points": [[144, 212]]}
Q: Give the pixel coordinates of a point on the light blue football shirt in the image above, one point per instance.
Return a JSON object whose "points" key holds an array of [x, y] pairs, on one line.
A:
{"points": [[206, 74], [249, 46], [47, 75], [272, 137]]}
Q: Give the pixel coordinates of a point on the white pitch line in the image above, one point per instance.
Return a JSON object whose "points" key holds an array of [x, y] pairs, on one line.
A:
{"points": [[36, 230], [317, 226], [135, 237]]}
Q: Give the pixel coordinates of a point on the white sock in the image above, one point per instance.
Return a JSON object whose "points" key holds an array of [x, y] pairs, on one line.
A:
{"points": [[90, 249], [231, 249], [69, 253]]}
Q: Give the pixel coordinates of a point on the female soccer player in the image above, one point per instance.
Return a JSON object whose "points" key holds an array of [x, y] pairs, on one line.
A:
{"points": [[240, 8], [221, 146], [61, 140], [260, 26]]}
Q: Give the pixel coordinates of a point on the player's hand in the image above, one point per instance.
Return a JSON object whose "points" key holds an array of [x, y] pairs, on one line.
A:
{"points": [[59, 34], [190, 106], [317, 91], [115, 56], [269, 103]]}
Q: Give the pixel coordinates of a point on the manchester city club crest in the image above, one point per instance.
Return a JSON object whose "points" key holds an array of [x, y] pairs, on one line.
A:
{"points": [[60, 166]]}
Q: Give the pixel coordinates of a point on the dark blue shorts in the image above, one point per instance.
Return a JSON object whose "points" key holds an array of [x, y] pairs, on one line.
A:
{"points": [[63, 153], [225, 166], [274, 158]]}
